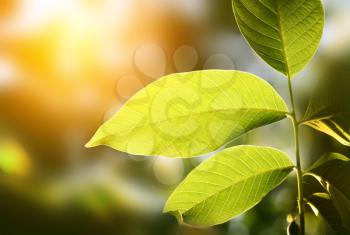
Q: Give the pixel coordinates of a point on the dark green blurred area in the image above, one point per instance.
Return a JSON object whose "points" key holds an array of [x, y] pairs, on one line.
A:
{"points": [[50, 184]]}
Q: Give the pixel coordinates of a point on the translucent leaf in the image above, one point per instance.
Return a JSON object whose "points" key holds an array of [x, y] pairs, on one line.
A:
{"points": [[285, 33], [228, 184], [189, 114], [333, 173], [336, 126]]}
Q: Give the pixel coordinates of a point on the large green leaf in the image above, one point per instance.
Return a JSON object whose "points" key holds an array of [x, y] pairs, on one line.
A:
{"points": [[188, 114], [228, 184], [285, 33], [333, 172]]}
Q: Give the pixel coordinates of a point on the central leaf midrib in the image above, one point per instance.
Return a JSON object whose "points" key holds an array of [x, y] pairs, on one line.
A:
{"points": [[218, 111], [279, 24]]}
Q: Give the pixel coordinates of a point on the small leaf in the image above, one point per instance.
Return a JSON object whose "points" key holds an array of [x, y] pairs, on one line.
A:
{"points": [[228, 184], [189, 114], [329, 159], [333, 173], [329, 106], [328, 211], [336, 126], [285, 33]]}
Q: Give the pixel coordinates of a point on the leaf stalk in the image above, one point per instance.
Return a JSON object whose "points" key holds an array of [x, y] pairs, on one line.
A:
{"points": [[295, 122]]}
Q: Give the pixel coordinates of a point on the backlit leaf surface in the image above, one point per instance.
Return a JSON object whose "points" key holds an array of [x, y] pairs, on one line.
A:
{"points": [[228, 184], [285, 33], [189, 114]]}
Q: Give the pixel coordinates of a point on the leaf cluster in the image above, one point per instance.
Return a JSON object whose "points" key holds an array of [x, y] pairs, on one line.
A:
{"points": [[190, 114]]}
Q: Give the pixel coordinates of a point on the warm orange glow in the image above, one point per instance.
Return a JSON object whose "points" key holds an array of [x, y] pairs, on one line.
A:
{"points": [[64, 64]]}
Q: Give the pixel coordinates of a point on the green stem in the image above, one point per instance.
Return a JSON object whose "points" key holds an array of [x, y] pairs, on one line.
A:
{"points": [[297, 156]]}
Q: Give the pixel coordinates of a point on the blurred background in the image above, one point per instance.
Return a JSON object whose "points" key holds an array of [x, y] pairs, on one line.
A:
{"points": [[66, 66]]}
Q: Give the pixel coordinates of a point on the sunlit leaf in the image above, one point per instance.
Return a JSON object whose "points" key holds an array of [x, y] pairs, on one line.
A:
{"points": [[333, 173], [188, 114], [285, 33], [335, 125], [228, 184]]}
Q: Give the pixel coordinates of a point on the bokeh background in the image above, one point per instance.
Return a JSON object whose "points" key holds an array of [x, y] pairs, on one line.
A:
{"points": [[66, 66]]}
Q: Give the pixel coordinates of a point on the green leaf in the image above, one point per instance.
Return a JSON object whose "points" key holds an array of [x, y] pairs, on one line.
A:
{"points": [[329, 112], [334, 125], [188, 114], [334, 160], [285, 33], [228, 184], [329, 106], [333, 173], [329, 213]]}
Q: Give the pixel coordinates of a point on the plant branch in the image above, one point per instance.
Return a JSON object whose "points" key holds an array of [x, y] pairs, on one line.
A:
{"points": [[297, 156]]}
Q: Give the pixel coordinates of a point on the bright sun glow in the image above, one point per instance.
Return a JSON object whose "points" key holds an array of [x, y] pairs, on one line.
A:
{"points": [[82, 33]]}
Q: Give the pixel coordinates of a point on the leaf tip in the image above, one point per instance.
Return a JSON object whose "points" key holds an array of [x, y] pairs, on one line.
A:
{"points": [[89, 144], [93, 142]]}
